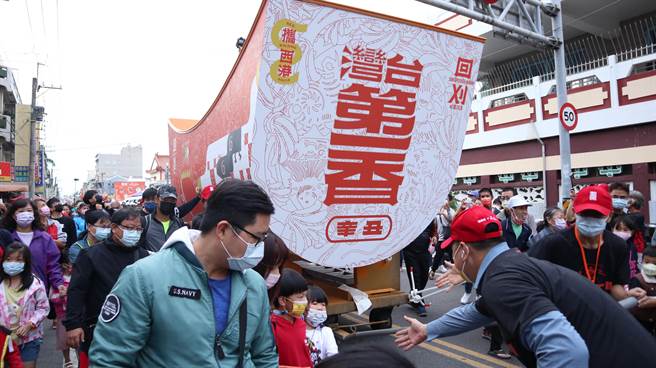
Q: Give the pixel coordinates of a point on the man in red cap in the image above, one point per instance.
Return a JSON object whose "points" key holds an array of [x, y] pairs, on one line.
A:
{"points": [[549, 315], [588, 248]]}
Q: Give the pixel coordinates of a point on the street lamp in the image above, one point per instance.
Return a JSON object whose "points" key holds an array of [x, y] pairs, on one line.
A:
{"points": [[75, 180]]}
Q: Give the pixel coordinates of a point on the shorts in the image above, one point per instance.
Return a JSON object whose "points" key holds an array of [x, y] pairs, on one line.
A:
{"points": [[30, 350]]}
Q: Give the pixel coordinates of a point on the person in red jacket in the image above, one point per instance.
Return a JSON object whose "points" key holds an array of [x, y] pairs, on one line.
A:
{"points": [[290, 303]]}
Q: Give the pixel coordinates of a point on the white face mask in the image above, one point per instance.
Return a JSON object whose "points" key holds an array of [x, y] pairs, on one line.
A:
{"points": [[625, 235], [560, 224], [272, 280], [316, 317], [253, 255]]}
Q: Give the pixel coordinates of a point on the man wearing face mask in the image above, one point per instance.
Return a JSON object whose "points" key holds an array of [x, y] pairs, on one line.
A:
{"points": [[95, 272], [619, 193], [588, 248], [549, 315], [515, 230], [163, 222], [196, 303]]}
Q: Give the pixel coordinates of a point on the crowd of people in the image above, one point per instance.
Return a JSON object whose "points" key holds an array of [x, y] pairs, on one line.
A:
{"points": [[597, 245], [137, 286]]}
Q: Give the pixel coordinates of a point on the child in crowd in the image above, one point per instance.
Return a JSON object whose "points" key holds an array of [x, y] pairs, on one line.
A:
{"points": [[625, 228], [59, 302], [646, 279], [320, 339], [275, 255], [23, 302], [289, 304]]}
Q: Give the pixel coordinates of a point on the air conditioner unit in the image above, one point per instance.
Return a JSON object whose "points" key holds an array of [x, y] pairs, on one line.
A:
{"points": [[5, 127]]}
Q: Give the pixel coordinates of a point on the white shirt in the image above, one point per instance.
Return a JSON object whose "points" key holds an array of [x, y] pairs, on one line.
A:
{"points": [[26, 238], [321, 343]]}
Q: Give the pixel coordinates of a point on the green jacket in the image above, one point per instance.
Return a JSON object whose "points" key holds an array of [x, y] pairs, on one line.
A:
{"points": [[143, 324]]}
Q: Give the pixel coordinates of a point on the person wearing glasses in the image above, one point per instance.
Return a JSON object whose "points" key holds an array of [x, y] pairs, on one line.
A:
{"points": [[196, 302], [95, 272]]}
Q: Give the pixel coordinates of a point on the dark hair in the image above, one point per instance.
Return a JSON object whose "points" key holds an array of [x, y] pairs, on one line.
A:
{"points": [[509, 189], [63, 258], [52, 200], [26, 275], [148, 194], [99, 199], [235, 201], [93, 216], [291, 282], [486, 244], [627, 221], [197, 220], [88, 195], [364, 356], [125, 214], [497, 201], [620, 186], [484, 190], [275, 254], [316, 294], [649, 251], [9, 223]]}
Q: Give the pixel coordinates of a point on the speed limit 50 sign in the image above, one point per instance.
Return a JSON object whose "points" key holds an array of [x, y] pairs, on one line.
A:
{"points": [[568, 116]]}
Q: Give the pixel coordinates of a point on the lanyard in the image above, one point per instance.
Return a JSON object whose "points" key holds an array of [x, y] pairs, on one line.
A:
{"points": [[585, 261]]}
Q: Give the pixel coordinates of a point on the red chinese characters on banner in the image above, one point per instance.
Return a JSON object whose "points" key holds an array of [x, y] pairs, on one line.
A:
{"points": [[460, 83], [343, 229], [372, 131], [370, 122]]}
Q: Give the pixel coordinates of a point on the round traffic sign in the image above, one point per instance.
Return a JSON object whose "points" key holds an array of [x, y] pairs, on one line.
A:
{"points": [[568, 116]]}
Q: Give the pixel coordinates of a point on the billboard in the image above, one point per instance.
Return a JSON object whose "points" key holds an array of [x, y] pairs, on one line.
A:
{"points": [[354, 125], [125, 189]]}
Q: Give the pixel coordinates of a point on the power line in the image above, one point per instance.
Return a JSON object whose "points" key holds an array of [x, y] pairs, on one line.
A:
{"points": [[29, 21]]}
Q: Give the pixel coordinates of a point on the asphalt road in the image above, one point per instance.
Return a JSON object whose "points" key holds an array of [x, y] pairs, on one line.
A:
{"points": [[467, 350]]}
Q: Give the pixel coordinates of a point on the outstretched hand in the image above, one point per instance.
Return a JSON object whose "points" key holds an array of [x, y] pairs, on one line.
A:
{"points": [[450, 278], [413, 335]]}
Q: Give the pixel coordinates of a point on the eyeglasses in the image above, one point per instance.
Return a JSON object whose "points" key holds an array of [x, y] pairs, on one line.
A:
{"points": [[130, 228], [259, 239]]}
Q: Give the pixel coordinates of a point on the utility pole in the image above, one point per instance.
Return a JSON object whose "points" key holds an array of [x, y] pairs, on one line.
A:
{"points": [[521, 21]]}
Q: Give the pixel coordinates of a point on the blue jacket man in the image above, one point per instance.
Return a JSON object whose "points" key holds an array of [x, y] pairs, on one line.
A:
{"points": [[196, 303]]}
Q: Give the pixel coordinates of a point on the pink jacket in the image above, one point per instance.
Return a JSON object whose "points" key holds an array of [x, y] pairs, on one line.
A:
{"points": [[35, 309]]}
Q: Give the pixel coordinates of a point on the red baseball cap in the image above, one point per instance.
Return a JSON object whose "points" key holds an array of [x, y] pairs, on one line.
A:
{"points": [[474, 225], [207, 192], [595, 198]]}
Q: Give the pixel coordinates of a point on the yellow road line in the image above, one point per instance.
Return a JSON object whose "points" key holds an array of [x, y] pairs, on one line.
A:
{"points": [[453, 346]]}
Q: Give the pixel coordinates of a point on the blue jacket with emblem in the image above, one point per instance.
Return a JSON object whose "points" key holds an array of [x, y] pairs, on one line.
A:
{"points": [[145, 326]]}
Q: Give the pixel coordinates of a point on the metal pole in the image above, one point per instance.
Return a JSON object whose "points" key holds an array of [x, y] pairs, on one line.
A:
{"points": [[32, 169], [560, 72]]}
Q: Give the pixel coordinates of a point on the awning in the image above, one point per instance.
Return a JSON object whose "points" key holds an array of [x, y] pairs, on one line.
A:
{"points": [[13, 187]]}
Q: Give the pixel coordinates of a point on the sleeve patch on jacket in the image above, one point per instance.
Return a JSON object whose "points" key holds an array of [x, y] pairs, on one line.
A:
{"points": [[110, 309]]}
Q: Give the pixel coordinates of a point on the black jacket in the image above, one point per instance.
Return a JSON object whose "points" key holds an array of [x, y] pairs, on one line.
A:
{"points": [[94, 274], [69, 229], [509, 235]]}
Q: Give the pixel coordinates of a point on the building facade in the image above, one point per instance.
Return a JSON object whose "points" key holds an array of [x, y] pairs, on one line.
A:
{"points": [[128, 163], [512, 134]]}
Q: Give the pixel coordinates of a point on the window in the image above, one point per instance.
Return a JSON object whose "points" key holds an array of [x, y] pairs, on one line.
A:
{"points": [[509, 100]]}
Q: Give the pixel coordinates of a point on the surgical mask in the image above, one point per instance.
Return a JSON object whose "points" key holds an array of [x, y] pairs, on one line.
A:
{"points": [[272, 280], [519, 218], [461, 271], [620, 203], [560, 224], [45, 210], [298, 308], [130, 238], [167, 208], [649, 269], [102, 233], [150, 207], [316, 317], [487, 202], [24, 219], [623, 234], [504, 203], [250, 259], [12, 268], [590, 226]]}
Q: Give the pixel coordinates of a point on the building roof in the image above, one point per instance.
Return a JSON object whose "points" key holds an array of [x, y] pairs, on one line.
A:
{"points": [[160, 163]]}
